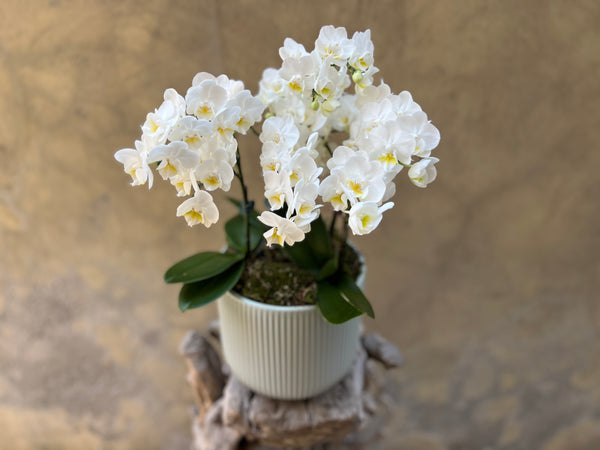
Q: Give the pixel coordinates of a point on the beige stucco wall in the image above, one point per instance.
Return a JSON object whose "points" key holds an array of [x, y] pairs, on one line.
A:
{"points": [[488, 280]]}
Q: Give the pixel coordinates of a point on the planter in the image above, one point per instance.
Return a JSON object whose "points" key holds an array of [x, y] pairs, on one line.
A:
{"points": [[285, 352]]}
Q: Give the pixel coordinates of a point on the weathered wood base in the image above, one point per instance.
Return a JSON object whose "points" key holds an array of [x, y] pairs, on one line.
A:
{"points": [[230, 416]]}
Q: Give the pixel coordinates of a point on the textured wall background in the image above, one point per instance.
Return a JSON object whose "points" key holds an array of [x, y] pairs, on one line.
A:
{"points": [[488, 280]]}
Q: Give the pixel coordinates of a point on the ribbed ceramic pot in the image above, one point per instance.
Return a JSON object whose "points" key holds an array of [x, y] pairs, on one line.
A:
{"points": [[285, 352]]}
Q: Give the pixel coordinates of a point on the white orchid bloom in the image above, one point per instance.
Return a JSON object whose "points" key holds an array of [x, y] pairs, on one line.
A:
{"points": [[298, 74], [271, 85], [302, 167], [364, 217], [340, 156], [215, 173], [389, 145], [403, 104], [372, 115], [333, 45], [425, 136], [280, 130], [423, 172], [135, 164], [278, 189], [251, 109], [206, 99], [225, 122], [372, 94], [366, 78], [331, 191], [346, 114], [304, 199], [273, 157], [191, 130], [201, 76], [184, 181], [159, 124], [199, 209], [283, 230], [291, 49], [362, 52], [217, 141], [331, 82], [232, 87], [360, 178], [174, 157], [311, 144]]}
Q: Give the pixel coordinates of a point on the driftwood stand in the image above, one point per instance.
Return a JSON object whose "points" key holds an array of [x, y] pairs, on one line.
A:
{"points": [[229, 416]]}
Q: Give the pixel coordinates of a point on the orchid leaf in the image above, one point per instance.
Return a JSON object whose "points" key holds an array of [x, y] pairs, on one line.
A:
{"points": [[334, 308], [319, 241], [355, 295], [329, 268], [201, 266], [200, 293], [315, 251], [235, 230]]}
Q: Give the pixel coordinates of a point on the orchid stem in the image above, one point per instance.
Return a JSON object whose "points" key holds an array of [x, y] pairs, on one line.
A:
{"points": [[343, 244], [245, 203], [327, 147]]}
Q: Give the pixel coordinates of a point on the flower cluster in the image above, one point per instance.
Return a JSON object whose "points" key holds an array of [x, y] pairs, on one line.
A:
{"points": [[193, 141], [311, 97]]}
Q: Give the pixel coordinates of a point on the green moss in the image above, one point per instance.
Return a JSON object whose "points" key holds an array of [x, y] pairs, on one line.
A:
{"points": [[270, 277]]}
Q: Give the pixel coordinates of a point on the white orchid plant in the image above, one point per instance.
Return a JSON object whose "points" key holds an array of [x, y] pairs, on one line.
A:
{"points": [[312, 101]]}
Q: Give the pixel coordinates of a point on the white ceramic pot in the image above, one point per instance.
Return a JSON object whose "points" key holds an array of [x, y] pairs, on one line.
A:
{"points": [[285, 352]]}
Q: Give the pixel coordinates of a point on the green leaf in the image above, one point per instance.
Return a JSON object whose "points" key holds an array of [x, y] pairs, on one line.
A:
{"points": [[355, 295], [302, 255], [235, 230], [315, 251], [319, 241], [200, 293], [329, 268], [332, 305], [201, 266]]}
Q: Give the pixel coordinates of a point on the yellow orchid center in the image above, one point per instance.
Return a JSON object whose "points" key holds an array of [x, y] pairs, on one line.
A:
{"points": [[212, 181], [295, 86], [153, 126], [365, 220], [192, 140], [204, 111], [388, 158], [169, 170], [304, 209], [337, 201], [194, 215], [356, 188]]}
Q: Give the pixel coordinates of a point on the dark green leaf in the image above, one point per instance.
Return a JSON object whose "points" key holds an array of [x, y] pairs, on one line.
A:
{"points": [[235, 230], [329, 268], [200, 293], [201, 266], [303, 256], [332, 305], [319, 241], [315, 251], [355, 295]]}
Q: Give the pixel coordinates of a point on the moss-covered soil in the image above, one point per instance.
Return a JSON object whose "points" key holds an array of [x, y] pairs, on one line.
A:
{"points": [[271, 277]]}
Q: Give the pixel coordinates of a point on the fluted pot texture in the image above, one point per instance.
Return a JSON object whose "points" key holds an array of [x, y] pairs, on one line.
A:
{"points": [[285, 352]]}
